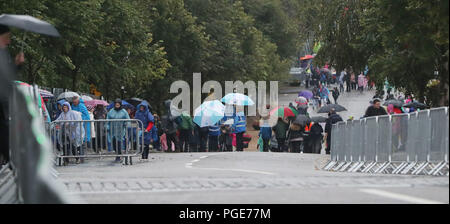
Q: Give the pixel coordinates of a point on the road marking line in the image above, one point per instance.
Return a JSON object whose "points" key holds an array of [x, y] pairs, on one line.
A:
{"points": [[238, 170], [202, 157], [188, 164], [400, 197], [195, 160]]}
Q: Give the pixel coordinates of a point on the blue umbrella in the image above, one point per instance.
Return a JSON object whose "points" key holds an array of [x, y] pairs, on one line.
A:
{"points": [[306, 93], [209, 113], [125, 104], [237, 99]]}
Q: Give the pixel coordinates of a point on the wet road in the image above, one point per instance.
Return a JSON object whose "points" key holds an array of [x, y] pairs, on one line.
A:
{"points": [[246, 177]]}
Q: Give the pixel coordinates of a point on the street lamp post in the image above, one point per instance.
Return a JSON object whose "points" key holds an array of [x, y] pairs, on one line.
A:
{"points": [[123, 90]]}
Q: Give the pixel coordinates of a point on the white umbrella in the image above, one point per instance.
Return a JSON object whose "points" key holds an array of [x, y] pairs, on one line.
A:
{"points": [[237, 99], [209, 113], [67, 95], [86, 98]]}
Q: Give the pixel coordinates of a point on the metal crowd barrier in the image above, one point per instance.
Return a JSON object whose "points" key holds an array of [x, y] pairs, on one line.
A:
{"points": [[414, 143], [96, 139]]}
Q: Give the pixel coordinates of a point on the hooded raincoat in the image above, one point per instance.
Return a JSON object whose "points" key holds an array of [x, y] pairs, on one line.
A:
{"points": [[85, 116], [117, 129], [73, 130], [147, 120]]}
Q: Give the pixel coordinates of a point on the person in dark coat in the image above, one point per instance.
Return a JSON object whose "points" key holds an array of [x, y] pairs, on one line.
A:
{"points": [[296, 138], [335, 93], [194, 139], [169, 127], [375, 109], [100, 114], [333, 118], [280, 130], [315, 138], [225, 139]]}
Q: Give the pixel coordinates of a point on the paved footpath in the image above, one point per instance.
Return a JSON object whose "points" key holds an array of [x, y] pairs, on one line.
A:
{"points": [[245, 177]]}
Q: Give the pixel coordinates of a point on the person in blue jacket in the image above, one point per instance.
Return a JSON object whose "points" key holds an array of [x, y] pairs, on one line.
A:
{"points": [[213, 137], [265, 132], [239, 127], [143, 114], [59, 110], [117, 130], [78, 105]]}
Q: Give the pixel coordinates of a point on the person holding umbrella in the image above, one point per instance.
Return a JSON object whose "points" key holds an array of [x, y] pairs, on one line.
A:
{"points": [[5, 40]]}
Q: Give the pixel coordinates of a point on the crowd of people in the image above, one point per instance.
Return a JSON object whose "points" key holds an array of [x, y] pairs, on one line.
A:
{"points": [[169, 133]]}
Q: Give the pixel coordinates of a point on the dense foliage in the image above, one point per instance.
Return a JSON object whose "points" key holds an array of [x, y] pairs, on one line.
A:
{"points": [[402, 41], [145, 45]]}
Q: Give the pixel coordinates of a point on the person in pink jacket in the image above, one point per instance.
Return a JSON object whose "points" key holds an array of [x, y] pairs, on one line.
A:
{"points": [[361, 82]]}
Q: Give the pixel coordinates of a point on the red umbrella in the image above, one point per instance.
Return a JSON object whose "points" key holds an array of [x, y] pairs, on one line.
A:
{"points": [[306, 57], [282, 112]]}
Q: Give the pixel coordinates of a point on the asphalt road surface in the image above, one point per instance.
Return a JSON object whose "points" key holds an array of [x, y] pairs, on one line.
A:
{"points": [[245, 177]]}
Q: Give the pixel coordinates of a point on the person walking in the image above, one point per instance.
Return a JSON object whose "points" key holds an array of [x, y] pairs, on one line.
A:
{"points": [[71, 134], [143, 114], [239, 128], [361, 82], [335, 93], [324, 93], [375, 109], [280, 130], [117, 129], [333, 118]]}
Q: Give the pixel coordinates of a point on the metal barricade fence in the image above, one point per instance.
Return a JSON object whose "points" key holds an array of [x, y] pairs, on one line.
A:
{"points": [[123, 138], [415, 143]]}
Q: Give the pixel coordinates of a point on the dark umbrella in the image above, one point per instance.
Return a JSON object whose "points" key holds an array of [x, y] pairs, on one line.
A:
{"points": [[29, 23], [319, 119], [396, 103], [125, 105], [302, 120], [415, 104], [306, 93], [134, 101], [329, 107]]}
